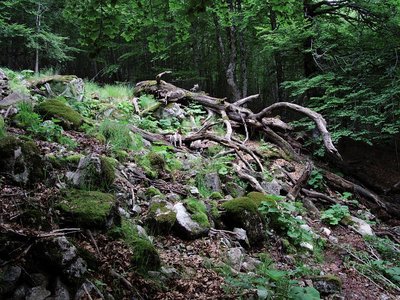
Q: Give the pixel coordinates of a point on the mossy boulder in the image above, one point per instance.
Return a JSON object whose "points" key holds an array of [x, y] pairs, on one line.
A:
{"points": [[86, 208], [55, 108], [94, 172], [161, 217], [198, 212], [190, 225], [20, 160], [70, 161], [243, 213], [327, 284], [153, 191]]}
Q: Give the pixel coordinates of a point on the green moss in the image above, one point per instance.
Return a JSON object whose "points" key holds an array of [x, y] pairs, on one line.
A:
{"points": [[59, 110], [198, 212], [238, 205], [86, 208], [2, 127], [153, 191], [65, 161], [161, 218], [107, 171], [145, 255], [157, 161], [216, 196], [258, 197], [214, 210]]}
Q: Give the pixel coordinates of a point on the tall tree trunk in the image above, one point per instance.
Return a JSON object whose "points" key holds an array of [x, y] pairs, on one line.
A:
{"points": [[38, 21], [278, 62], [243, 53]]}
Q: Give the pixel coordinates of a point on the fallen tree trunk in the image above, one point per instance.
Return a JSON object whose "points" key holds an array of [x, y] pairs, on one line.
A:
{"points": [[167, 92]]}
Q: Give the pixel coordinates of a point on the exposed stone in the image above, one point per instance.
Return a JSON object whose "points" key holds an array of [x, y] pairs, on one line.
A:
{"points": [[361, 227], [250, 264], [93, 172], [20, 292], [61, 254], [213, 182], [193, 190], [60, 291], [9, 277], [184, 224], [88, 288], [161, 216], [272, 187], [14, 98], [4, 86], [235, 257], [37, 293], [172, 110], [328, 284], [39, 279], [20, 160], [241, 236]]}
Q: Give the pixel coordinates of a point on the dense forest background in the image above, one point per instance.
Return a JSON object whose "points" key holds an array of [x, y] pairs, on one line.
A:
{"points": [[338, 57]]}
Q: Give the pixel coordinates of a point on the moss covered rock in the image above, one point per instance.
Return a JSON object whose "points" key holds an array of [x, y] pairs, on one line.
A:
{"points": [[94, 172], [70, 119], [243, 213], [190, 225], [2, 127], [161, 217], [86, 208], [198, 212], [20, 160]]}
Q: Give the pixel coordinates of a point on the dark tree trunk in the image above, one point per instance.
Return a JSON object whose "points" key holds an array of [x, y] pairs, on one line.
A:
{"points": [[278, 63]]}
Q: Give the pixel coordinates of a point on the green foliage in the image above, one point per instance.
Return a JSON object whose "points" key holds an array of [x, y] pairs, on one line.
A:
{"points": [[282, 217], [3, 130], [316, 180], [335, 214]]}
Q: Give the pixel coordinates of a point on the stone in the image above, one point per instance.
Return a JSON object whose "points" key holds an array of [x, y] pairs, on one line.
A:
{"points": [[327, 284], [9, 277], [172, 197], [62, 86], [170, 273], [213, 182], [193, 190], [172, 110], [307, 246], [250, 264], [60, 291], [361, 227], [233, 189], [61, 254], [39, 279], [272, 187], [37, 293], [241, 236], [235, 258], [53, 108], [185, 226], [20, 160], [4, 85], [88, 288], [92, 209], [93, 172], [13, 99], [243, 213], [20, 292], [161, 216]]}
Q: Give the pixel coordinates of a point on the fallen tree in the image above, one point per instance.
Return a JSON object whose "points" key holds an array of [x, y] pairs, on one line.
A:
{"points": [[235, 112]]}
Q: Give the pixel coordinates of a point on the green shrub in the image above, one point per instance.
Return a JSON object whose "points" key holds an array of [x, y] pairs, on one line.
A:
{"points": [[335, 214], [2, 127], [118, 136]]}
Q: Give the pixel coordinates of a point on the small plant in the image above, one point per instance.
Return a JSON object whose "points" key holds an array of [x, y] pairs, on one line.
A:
{"points": [[117, 135], [335, 214], [316, 180], [2, 127], [26, 117]]}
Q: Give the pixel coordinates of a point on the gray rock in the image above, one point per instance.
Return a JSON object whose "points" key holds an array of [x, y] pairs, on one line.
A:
{"points": [[88, 288], [272, 187], [172, 197], [193, 190], [233, 189], [361, 227], [37, 293], [235, 258], [170, 273], [327, 284], [241, 236], [4, 86], [9, 277], [213, 182], [63, 255], [250, 264], [20, 292], [39, 279], [172, 110], [184, 224], [14, 98], [161, 216], [61, 291]]}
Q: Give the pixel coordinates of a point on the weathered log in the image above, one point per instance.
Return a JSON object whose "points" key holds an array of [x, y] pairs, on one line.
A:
{"points": [[295, 190]]}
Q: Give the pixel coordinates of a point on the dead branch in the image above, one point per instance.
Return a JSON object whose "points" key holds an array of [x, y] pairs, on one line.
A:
{"points": [[253, 181], [158, 77], [295, 190], [314, 194], [243, 101]]}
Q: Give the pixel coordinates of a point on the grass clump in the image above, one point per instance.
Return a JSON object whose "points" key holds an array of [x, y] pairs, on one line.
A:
{"points": [[2, 127], [145, 256], [57, 108], [86, 208]]}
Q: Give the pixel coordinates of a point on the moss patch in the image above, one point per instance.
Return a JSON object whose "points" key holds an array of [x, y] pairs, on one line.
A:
{"points": [[86, 208], [70, 119], [2, 127], [216, 196], [161, 218], [107, 171], [198, 212], [153, 191]]}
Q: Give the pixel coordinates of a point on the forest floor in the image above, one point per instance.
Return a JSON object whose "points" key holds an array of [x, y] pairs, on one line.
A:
{"points": [[343, 262]]}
